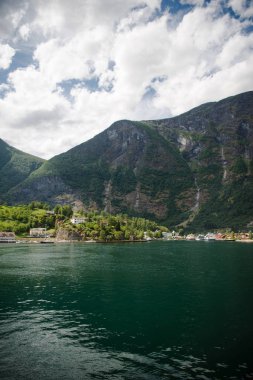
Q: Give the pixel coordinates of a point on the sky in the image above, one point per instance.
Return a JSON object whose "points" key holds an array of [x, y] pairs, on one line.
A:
{"points": [[69, 69]]}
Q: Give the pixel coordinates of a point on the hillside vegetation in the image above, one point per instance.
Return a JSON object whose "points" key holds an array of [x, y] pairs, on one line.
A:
{"points": [[96, 226], [15, 167], [20, 219]]}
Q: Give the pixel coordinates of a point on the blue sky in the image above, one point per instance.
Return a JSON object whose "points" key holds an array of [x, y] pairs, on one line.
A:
{"points": [[70, 69]]}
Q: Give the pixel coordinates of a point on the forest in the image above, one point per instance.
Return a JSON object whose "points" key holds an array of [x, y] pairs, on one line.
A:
{"points": [[96, 225]]}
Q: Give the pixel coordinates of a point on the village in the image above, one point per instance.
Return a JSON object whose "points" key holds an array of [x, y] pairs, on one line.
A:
{"points": [[36, 223], [43, 236]]}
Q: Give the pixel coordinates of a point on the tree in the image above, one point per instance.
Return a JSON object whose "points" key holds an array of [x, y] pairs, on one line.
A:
{"points": [[58, 210], [67, 211], [102, 235]]}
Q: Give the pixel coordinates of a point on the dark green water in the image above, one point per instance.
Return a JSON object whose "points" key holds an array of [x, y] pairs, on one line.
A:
{"points": [[169, 310]]}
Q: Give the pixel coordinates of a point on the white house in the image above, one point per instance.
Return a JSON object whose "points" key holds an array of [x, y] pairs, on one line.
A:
{"points": [[48, 212], [167, 235], [210, 236], [77, 220], [38, 232]]}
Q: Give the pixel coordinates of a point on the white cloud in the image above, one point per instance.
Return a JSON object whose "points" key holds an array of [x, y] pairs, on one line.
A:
{"points": [[24, 31], [136, 17], [145, 66], [218, 61], [63, 60], [6, 55], [241, 7], [67, 18], [237, 49]]}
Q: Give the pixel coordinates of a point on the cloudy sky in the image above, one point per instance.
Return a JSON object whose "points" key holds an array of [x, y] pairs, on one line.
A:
{"points": [[68, 69]]}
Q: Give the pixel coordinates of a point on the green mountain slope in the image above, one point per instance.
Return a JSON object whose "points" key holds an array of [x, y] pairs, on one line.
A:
{"points": [[193, 170], [15, 167], [127, 168]]}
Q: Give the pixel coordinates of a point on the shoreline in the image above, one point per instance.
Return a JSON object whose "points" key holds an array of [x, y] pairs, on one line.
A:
{"points": [[23, 240]]}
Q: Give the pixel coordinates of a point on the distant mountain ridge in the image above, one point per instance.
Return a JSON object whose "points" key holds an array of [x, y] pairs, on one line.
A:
{"points": [[15, 167], [194, 170]]}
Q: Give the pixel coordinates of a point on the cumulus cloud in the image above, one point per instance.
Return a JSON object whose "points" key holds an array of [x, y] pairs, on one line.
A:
{"points": [[95, 62], [6, 55], [242, 7], [12, 13], [67, 18]]}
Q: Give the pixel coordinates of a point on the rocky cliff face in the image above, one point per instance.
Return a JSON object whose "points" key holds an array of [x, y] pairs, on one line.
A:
{"points": [[216, 140], [64, 234], [49, 189], [192, 170]]}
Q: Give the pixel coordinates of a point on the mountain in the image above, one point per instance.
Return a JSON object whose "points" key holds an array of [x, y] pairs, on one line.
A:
{"points": [[194, 170], [15, 167], [216, 140]]}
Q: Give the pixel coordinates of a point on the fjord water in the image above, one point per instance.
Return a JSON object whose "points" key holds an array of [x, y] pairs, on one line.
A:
{"points": [[159, 310]]}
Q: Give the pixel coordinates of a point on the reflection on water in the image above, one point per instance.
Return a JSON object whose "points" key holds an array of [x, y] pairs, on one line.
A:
{"points": [[174, 310]]}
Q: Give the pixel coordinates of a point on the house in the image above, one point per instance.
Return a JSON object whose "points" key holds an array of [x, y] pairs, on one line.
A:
{"points": [[190, 237], [210, 236], [38, 232], [7, 237], [220, 236], [48, 212], [78, 220], [167, 235]]}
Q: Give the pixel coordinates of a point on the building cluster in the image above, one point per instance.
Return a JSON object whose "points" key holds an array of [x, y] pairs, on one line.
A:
{"points": [[210, 236]]}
